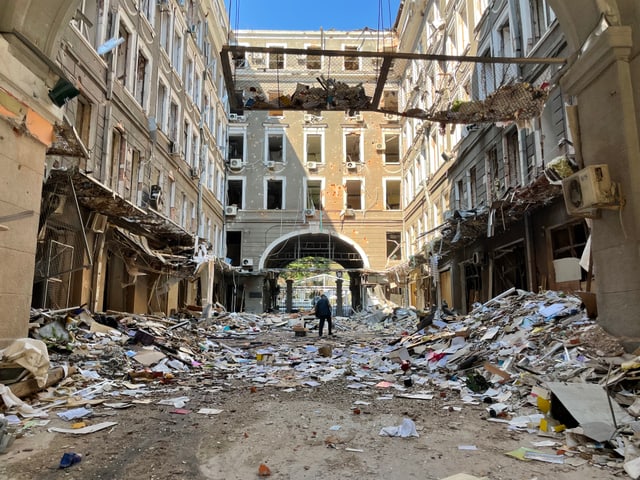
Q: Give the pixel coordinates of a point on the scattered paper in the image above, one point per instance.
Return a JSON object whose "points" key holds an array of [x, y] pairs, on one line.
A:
{"points": [[210, 411], [407, 429]]}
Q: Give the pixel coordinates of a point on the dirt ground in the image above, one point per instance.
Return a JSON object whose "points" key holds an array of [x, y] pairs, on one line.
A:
{"points": [[327, 432]]}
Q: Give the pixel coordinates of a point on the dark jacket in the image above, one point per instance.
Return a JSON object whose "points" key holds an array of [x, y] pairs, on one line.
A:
{"points": [[323, 307]]}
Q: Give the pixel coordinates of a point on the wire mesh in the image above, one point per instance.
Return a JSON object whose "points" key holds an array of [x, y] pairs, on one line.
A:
{"points": [[438, 88]]}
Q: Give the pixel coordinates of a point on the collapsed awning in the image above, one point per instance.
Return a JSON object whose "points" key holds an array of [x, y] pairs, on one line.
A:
{"points": [[161, 232]]}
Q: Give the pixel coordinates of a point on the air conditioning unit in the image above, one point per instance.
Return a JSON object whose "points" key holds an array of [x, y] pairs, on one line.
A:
{"points": [[235, 163], [309, 212], [380, 147], [348, 212], [310, 118], [352, 165], [233, 117], [391, 117], [99, 223], [271, 164], [194, 172], [230, 210], [588, 189], [355, 118], [247, 262], [312, 165]]}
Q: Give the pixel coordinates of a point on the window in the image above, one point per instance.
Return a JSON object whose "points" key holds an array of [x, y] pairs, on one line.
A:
{"points": [[173, 122], [494, 180], [569, 240], [276, 60], [541, 18], [473, 189], [352, 148], [351, 63], [391, 148], [184, 211], [176, 57], [133, 181], [314, 194], [313, 147], [117, 153], [195, 154], [353, 194], [236, 146], [512, 158], [275, 147], [235, 192], [142, 78], [85, 19], [394, 246], [392, 194], [234, 247], [165, 31], [161, 107], [83, 119], [459, 195], [274, 199], [123, 55], [314, 62], [147, 8], [188, 77]]}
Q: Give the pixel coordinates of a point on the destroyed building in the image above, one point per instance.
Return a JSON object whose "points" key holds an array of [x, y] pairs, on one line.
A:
{"points": [[116, 73]]}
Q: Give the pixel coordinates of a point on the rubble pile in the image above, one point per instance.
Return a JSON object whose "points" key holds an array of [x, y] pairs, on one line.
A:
{"points": [[535, 361]]}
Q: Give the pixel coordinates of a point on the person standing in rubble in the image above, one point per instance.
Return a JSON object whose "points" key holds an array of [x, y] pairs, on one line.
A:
{"points": [[323, 313]]}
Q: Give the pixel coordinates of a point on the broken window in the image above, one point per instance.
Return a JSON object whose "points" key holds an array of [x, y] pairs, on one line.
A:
{"points": [[390, 100], [392, 194], [391, 148], [235, 192], [512, 158], [275, 195], [569, 240], [352, 147], [275, 147], [176, 57], [351, 63], [85, 18], [313, 147], [83, 119], [394, 249], [353, 194], [314, 62], [473, 188], [123, 55], [184, 211], [173, 122], [135, 171], [459, 192], [314, 194], [142, 74], [234, 247], [188, 80], [276, 60], [541, 17], [117, 152], [494, 180], [236, 146], [165, 31], [161, 106]]}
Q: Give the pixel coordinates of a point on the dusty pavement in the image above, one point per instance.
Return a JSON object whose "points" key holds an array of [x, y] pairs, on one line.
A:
{"points": [[330, 431]]}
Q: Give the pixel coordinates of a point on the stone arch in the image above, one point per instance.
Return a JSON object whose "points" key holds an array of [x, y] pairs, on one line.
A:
{"points": [[350, 254]]}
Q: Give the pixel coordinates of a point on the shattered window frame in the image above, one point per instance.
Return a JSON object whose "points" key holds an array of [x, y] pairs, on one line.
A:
{"points": [[392, 192], [353, 193], [314, 188], [275, 193]]}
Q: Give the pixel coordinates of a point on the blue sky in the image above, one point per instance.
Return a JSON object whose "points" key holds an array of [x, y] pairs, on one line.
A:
{"points": [[312, 15]]}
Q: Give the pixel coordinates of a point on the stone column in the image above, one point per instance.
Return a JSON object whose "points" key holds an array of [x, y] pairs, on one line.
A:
{"points": [[604, 81], [339, 297], [289, 301]]}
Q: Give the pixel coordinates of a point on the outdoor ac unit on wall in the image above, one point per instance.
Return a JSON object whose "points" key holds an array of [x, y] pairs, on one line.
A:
{"points": [[380, 146], [352, 165], [309, 212], [349, 212], [235, 163], [247, 262], [588, 189], [312, 165], [230, 210], [271, 164]]}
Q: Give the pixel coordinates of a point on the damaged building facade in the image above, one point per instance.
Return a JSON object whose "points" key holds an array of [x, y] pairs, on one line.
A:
{"points": [[482, 214], [314, 177], [124, 203], [131, 214]]}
